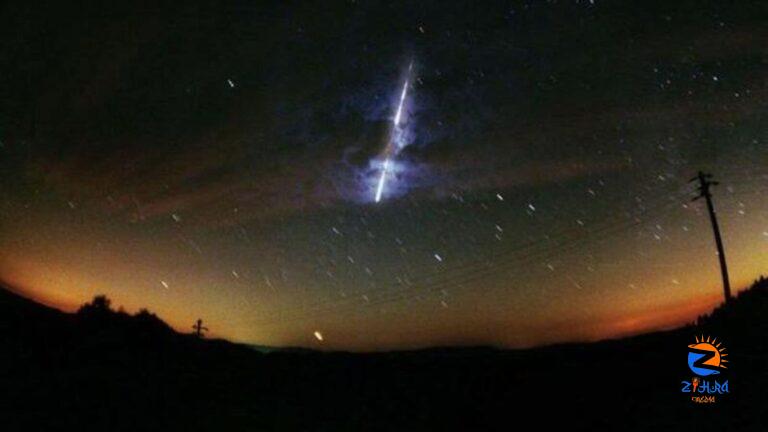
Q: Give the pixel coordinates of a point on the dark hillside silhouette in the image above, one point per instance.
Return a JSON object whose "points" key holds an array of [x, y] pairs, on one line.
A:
{"points": [[752, 302], [133, 372], [97, 317]]}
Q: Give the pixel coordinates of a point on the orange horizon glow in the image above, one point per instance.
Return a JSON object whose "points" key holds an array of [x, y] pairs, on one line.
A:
{"points": [[610, 326], [64, 258]]}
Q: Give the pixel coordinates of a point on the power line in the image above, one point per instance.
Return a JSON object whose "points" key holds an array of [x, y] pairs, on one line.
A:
{"points": [[474, 274], [474, 265]]}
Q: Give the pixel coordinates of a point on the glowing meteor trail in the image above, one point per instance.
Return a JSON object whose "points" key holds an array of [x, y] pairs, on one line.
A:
{"points": [[393, 147], [380, 187], [403, 94]]}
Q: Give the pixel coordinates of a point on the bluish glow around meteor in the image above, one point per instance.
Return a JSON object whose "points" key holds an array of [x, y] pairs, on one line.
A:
{"points": [[396, 141], [382, 178]]}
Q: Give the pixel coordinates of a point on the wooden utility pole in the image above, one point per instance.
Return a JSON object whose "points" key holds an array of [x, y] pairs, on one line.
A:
{"points": [[199, 328], [705, 182]]}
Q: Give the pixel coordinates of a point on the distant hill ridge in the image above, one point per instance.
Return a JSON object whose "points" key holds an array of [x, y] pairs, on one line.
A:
{"points": [[98, 318], [116, 371]]}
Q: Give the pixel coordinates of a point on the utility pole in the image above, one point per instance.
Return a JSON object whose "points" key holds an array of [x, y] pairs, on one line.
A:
{"points": [[705, 181], [199, 328]]}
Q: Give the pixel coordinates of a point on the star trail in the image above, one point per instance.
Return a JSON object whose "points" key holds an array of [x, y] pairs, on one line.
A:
{"points": [[365, 175]]}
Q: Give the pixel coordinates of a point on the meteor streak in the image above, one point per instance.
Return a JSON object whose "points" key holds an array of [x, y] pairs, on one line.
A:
{"points": [[393, 146], [380, 187]]}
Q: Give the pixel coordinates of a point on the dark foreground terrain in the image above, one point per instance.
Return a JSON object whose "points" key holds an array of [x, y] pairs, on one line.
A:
{"points": [[104, 370]]}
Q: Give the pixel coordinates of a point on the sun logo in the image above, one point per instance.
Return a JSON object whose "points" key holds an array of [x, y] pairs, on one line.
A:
{"points": [[706, 356]]}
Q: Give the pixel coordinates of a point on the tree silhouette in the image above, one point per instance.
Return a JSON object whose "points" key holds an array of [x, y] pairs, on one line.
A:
{"points": [[100, 305]]}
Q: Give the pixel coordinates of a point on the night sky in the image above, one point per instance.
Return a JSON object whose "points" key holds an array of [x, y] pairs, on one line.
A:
{"points": [[219, 160]]}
